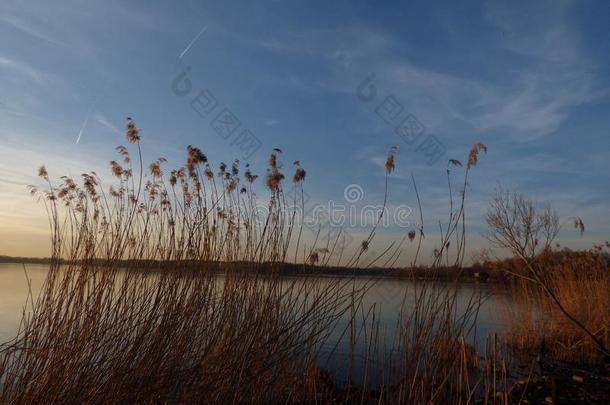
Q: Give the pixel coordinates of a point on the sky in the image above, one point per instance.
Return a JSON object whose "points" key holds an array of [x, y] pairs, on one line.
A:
{"points": [[333, 83]]}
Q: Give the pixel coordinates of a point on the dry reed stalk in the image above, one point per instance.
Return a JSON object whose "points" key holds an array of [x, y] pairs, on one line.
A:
{"points": [[167, 291], [581, 281]]}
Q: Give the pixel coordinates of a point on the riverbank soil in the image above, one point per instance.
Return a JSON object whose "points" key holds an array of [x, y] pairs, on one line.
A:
{"points": [[560, 383]]}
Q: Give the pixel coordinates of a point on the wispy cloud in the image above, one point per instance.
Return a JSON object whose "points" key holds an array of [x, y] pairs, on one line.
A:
{"points": [[558, 73], [532, 104], [528, 100], [101, 119], [22, 68], [29, 29]]}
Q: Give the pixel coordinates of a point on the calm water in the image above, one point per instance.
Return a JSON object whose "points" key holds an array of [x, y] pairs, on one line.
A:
{"points": [[386, 295], [14, 292]]}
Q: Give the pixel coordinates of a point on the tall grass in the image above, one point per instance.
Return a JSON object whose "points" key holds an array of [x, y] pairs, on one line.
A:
{"points": [[114, 335], [168, 289], [581, 281]]}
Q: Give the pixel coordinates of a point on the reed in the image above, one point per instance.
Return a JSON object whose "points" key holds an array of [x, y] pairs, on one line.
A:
{"points": [[166, 288], [581, 282]]}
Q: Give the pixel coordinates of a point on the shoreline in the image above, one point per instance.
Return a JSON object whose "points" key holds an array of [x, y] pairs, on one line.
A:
{"points": [[466, 273]]}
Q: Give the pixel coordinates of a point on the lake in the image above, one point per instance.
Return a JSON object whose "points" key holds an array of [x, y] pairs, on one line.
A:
{"points": [[385, 294]]}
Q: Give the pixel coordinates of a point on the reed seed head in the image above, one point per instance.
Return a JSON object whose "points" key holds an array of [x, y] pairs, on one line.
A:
{"points": [[133, 133], [155, 169], [273, 160], [473, 156], [579, 225], [274, 180], [194, 157], [389, 162], [299, 175], [124, 152], [116, 168], [42, 172]]}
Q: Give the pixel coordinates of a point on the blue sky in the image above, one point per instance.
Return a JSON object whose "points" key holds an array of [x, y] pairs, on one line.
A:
{"points": [[528, 79]]}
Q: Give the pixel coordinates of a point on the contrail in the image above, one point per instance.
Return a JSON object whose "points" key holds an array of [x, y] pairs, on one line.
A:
{"points": [[80, 133], [192, 42]]}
